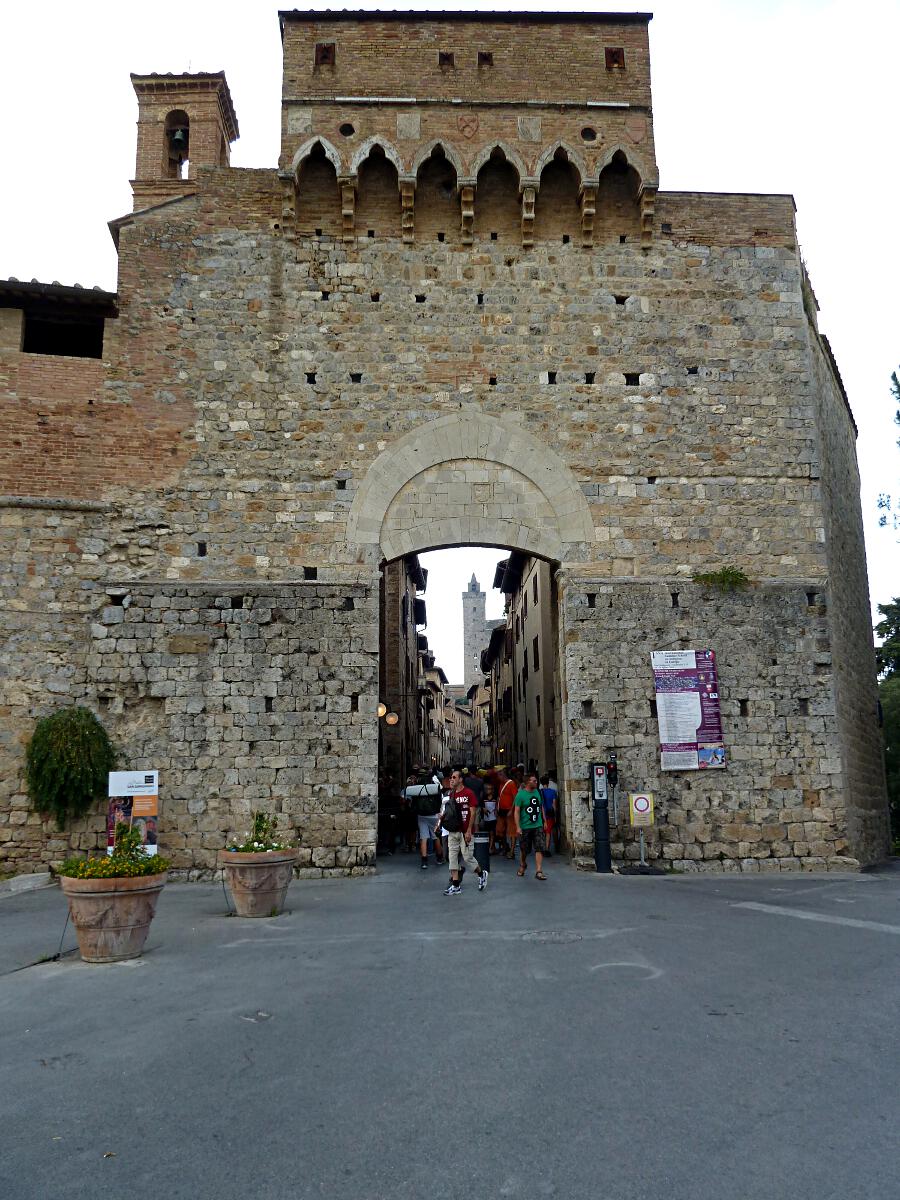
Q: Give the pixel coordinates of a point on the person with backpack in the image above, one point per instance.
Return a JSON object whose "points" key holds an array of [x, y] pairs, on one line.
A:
{"points": [[457, 817], [423, 794]]}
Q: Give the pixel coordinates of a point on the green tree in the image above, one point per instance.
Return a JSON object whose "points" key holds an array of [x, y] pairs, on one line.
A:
{"points": [[887, 655]]}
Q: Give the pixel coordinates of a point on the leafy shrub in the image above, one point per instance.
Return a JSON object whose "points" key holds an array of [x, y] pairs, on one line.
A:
{"points": [[67, 763], [127, 859], [728, 579]]}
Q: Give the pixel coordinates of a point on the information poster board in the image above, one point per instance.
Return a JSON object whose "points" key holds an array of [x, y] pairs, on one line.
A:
{"points": [[687, 708], [134, 800]]}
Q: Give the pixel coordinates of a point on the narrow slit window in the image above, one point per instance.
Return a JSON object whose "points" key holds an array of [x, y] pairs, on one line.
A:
{"points": [[325, 54], [615, 58]]}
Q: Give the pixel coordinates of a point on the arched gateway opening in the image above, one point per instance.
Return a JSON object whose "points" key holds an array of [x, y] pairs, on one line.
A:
{"points": [[465, 481]]}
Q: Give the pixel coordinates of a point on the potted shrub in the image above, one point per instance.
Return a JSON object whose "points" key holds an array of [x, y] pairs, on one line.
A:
{"points": [[112, 899], [258, 870]]}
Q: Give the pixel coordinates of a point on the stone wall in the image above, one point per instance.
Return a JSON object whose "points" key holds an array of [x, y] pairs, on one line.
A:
{"points": [[782, 803], [638, 399], [856, 691], [242, 696]]}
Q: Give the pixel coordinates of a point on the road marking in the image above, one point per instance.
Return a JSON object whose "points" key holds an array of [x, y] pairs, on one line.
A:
{"points": [[826, 918], [652, 972]]}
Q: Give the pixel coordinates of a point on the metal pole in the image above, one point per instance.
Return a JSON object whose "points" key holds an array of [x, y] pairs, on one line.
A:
{"points": [[643, 859], [615, 805]]}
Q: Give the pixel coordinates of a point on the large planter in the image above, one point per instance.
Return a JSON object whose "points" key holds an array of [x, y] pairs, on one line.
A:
{"points": [[258, 882], [112, 916]]}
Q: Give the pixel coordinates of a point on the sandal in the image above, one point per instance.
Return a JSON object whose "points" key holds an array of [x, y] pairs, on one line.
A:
{"points": [[539, 875], [521, 871]]}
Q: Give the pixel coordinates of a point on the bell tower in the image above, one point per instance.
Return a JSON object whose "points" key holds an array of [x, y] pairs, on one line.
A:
{"points": [[184, 122]]}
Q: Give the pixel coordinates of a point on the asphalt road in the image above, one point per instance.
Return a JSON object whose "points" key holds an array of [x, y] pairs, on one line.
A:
{"points": [[590, 1036]]}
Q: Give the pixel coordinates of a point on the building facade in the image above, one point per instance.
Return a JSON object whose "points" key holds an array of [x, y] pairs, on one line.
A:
{"points": [[460, 309]]}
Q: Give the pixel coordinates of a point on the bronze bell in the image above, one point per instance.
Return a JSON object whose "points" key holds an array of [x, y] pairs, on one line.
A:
{"points": [[178, 140]]}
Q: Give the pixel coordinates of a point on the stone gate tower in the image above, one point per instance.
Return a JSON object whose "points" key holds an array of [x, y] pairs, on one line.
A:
{"points": [[458, 310]]}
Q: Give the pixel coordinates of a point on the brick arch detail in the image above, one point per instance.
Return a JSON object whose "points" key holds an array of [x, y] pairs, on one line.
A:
{"points": [[556, 521], [510, 154], [450, 153], [648, 177], [366, 148], [332, 154], [573, 157]]}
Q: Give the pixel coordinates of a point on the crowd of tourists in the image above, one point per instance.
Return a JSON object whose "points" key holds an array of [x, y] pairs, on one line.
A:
{"points": [[439, 813]]}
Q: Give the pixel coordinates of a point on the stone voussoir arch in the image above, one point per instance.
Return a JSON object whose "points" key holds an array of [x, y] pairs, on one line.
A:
{"points": [[303, 153], [365, 149], [451, 154], [511, 156], [479, 441], [572, 157], [647, 176]]}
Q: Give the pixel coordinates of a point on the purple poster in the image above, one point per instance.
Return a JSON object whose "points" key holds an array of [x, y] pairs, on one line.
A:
{"points": [[687, 708]]}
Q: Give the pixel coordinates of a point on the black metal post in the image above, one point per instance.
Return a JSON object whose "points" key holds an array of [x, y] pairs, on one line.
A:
{"points": [[602, 852]]}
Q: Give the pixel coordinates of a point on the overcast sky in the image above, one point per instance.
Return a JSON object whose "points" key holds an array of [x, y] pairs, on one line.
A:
{"points": [[792, 96]]}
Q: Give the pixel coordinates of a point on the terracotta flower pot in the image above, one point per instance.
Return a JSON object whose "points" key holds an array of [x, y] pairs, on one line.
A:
{"points": [[112, 916], [258, 882]]}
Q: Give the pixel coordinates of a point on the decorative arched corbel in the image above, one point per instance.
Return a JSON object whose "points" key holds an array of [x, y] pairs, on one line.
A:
{"points": [[588, 200], [347, 186], [288, 183], [407, 208], [648, 209], [529, 195], [467, 210]]}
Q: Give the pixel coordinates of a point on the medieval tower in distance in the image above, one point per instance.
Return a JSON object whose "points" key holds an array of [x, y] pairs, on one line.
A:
{"points": [[476, 632]]}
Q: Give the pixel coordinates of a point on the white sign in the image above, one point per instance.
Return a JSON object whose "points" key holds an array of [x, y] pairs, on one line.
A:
{"points": [[133, 783]]}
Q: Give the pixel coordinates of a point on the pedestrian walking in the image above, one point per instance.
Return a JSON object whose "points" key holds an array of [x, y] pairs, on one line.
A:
{"points": [[423, 793], [529, 810], [457, 817], [549, 796], [489, 819], [506, 821]]}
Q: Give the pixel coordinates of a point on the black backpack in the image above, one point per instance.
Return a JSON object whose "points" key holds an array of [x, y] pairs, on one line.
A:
{"points": [[427, 804], [451, 821]]}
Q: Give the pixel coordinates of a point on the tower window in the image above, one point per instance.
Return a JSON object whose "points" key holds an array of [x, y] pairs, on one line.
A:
{"points": [[445, 58], [615, 58], [325, 56], [485, 58]]}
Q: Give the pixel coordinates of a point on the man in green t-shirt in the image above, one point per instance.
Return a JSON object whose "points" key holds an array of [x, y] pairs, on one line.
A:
{"points": [[529, 810]]}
